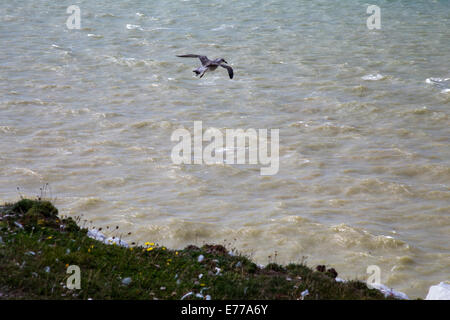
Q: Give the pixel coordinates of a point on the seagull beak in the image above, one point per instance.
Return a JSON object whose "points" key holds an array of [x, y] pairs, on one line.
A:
{"points": [[225, 61]]}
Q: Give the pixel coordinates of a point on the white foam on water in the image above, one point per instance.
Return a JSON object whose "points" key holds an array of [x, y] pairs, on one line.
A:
{"points": [[373, 77], [439, 292]]}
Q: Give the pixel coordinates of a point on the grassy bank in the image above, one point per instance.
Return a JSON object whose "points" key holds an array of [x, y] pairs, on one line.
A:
{"points": [[37, 246]]}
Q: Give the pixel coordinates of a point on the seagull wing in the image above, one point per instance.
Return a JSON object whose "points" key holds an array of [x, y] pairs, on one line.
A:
{"points": [[203, 59], [230, 70]]}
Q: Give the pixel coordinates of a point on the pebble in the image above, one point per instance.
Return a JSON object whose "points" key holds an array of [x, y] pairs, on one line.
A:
{"points": [[18, 224], [304, 294]]}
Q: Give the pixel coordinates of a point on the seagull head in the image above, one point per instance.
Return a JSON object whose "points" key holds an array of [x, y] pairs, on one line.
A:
{"points": [[223, 60]]}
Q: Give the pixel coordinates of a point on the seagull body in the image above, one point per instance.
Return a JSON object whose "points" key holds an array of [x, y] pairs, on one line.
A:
{"points": [[208, 65]]}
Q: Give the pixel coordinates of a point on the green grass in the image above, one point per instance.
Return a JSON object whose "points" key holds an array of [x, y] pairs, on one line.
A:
{"points": [[34, 261]]}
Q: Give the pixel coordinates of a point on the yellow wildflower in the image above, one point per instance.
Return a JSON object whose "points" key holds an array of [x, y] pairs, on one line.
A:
{"points": [[150, 249]]}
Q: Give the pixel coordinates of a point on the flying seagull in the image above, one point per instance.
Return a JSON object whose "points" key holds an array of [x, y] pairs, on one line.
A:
{"points": [[208, 65]]}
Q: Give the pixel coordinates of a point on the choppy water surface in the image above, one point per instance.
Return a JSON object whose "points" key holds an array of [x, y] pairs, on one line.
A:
{"points": [[363, 118]]}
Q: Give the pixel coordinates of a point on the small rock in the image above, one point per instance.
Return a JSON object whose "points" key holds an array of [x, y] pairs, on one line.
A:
{"points": [[116, 241], [200, 258], [192, 248], [201, 291], [126, 281], [162, 288], [47, 269], [304, 294], [97, 235], [208, 297]]}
